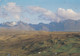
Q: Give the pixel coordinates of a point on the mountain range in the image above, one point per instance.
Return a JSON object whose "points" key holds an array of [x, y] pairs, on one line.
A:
{"points": [[67, 25]]}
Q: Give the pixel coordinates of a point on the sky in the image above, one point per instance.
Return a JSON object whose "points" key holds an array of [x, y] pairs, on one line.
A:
{"points": [[39, 11]]}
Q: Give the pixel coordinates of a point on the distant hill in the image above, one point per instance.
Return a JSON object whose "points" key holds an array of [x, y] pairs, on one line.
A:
{"points": [[67, 25], [16, 25]]}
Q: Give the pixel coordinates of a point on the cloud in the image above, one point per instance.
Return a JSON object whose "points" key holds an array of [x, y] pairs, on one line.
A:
{"points": [[13, 8], [37, 9], [42, 13], [10, 11], [60, 15], [13, 11], [68, 14]]}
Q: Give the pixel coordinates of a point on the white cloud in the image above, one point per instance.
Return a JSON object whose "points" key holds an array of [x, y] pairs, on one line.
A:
{"points": [[13, 8], [3, 13], [68, 14], [37, 9], [60, 15], [43, 13], [10, 11], [17, 16]]}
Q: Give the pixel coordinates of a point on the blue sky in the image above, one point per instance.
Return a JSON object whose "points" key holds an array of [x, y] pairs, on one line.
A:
{"points": [[51, 5], [48, 4]]}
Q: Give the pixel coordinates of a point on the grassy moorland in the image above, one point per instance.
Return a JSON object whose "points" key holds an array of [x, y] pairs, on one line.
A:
{"points": [[39, 43]]}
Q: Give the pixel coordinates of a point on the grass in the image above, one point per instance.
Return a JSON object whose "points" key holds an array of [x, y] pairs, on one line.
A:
{"points": [[39, 43]]}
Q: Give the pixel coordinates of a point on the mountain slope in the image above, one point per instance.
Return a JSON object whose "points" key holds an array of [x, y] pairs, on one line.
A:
{"points": [[18, 26], [67, 25]]}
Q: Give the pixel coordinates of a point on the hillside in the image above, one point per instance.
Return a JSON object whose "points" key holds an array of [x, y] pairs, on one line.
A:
{"points": [[39, 43]]}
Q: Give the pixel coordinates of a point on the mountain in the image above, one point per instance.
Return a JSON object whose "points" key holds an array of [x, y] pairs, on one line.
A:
{"points": [[16, 25], [67, 25]]}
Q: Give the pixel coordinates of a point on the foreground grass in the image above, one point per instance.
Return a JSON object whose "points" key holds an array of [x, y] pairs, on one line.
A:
{"points": [[25, 43]]}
